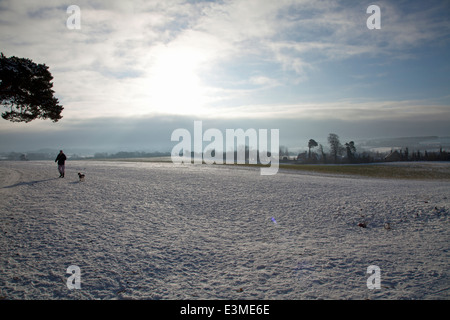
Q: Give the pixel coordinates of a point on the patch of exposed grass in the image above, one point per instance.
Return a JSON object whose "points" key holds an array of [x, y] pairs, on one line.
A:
{"points": [[378, 171]]}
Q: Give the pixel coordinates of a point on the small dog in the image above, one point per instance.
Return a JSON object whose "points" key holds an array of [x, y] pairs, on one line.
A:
{"points": [[81, 176]]}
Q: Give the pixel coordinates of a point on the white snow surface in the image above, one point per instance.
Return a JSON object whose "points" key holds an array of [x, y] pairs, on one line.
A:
{"points": [[165, 231]]}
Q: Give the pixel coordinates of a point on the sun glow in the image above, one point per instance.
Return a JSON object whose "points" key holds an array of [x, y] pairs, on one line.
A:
{"points": [[174, 84]]}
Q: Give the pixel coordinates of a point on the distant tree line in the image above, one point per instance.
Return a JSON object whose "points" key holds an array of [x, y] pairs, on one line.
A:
{"points": [[29, 156], [347, 153], [338, 153], [405, 155]]}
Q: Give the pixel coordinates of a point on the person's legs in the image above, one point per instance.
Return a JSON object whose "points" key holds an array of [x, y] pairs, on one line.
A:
{"points": [[61, 171]]}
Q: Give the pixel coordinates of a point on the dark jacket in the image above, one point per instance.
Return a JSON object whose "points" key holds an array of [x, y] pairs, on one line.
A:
{"points": [[61, 158]]}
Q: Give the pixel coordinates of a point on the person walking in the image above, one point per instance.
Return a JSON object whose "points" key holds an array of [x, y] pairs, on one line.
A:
{"points": [[61, 158]]}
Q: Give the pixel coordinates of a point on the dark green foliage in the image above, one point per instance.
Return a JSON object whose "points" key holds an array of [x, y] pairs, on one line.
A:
{"points": [[26, 91], [311, 144]]}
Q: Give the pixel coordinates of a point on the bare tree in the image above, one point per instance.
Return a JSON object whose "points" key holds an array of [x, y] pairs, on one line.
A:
{"points": [[335, 146], [351, 149], [324, 156]]}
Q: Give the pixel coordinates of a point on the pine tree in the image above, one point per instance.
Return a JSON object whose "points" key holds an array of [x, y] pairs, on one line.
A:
{"points": [[311, 144], [26, 91]]}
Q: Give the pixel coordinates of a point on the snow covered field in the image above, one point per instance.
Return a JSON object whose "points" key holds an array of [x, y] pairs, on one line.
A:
{"points": [[160, 231]]}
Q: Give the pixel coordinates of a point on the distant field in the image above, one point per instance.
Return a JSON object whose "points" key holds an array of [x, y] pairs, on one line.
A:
{"points": [[148, 159]]}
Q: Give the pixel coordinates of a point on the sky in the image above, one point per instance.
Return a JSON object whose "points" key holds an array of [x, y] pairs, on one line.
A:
{"points": [[137, 70]]}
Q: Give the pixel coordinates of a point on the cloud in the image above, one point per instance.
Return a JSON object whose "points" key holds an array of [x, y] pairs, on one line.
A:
{"points": [[229, 60], [344, 110]]}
